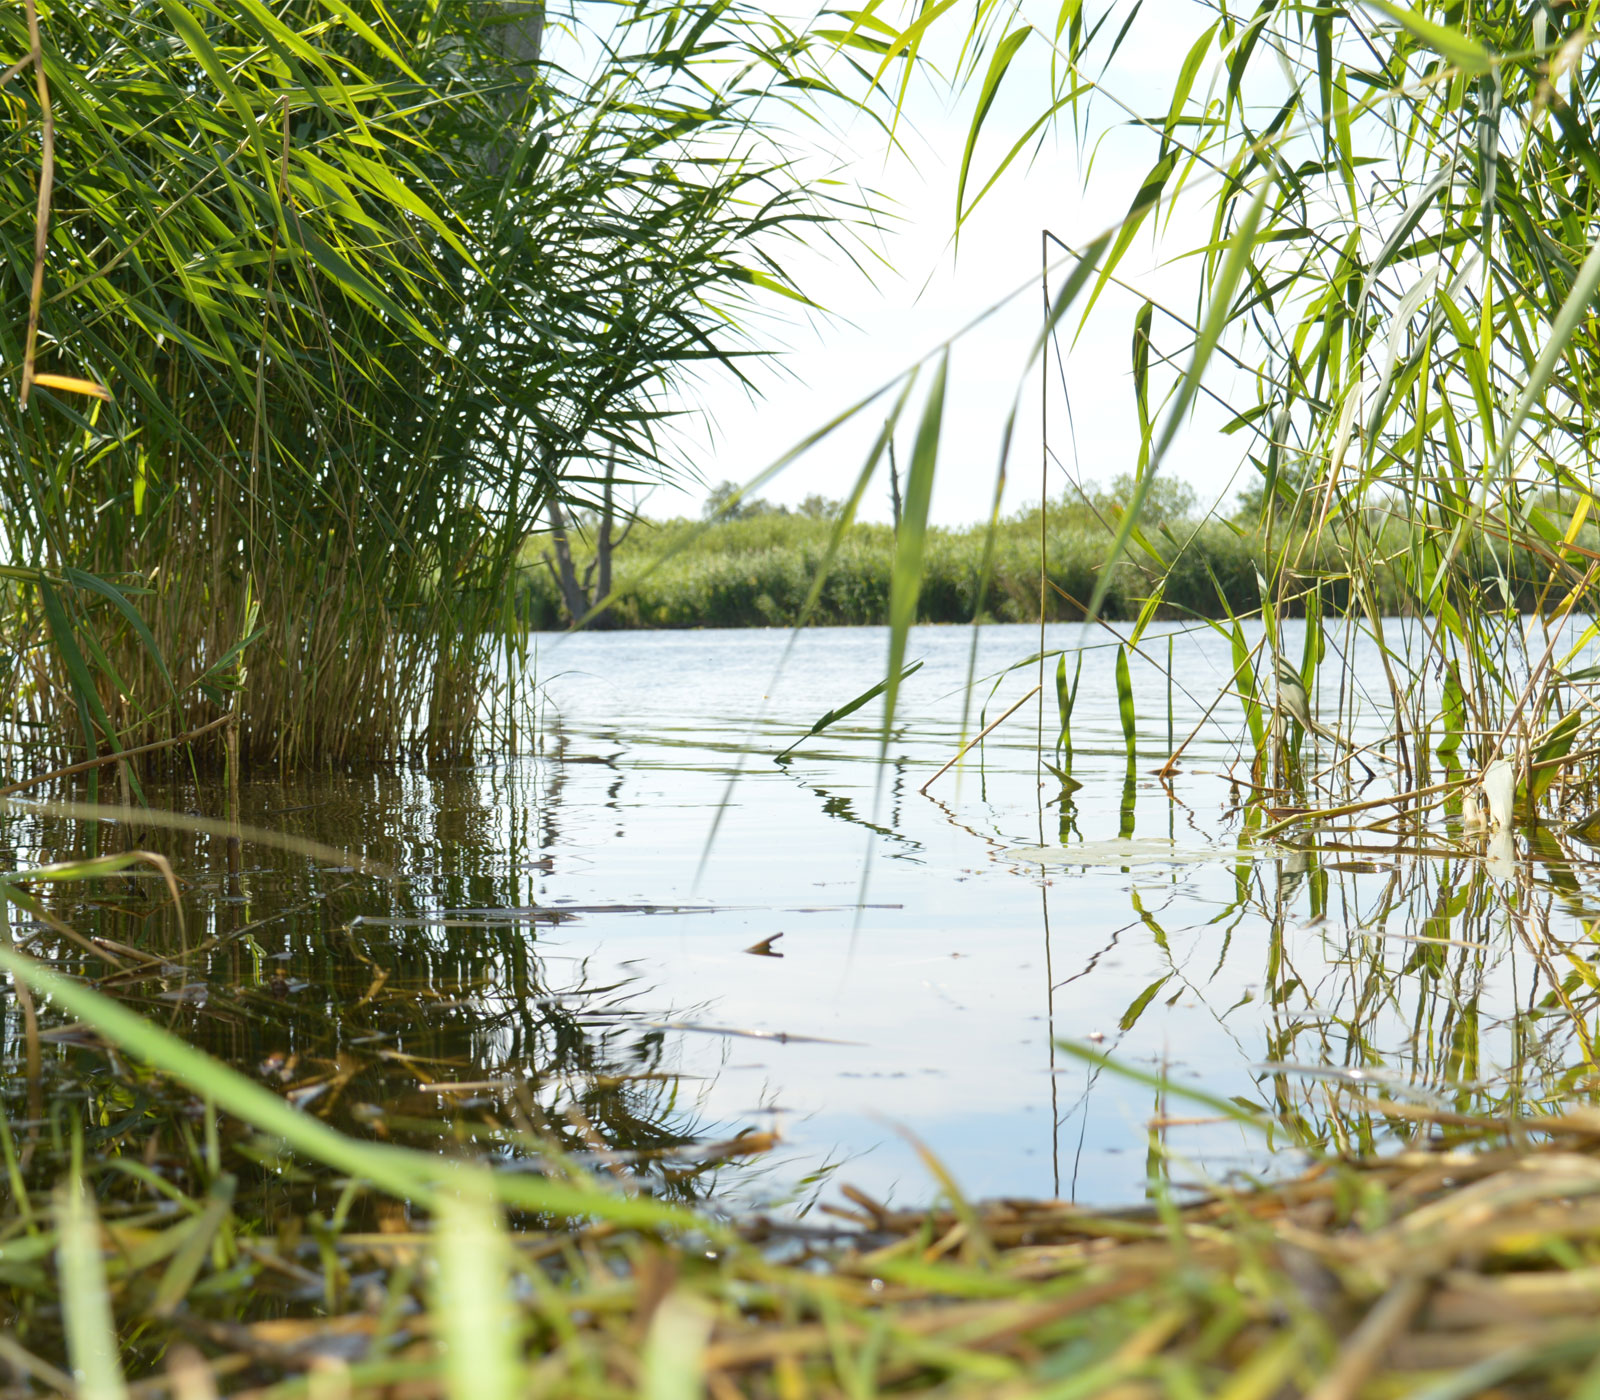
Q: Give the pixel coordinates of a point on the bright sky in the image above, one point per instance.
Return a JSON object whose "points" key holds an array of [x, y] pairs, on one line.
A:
{"points": [[927, 290]]}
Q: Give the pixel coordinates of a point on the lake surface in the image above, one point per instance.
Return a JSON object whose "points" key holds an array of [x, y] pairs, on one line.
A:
{"points": [[645, 936]]}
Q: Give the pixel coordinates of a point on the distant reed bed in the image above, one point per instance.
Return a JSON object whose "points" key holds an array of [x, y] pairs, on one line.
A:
{"points": [[758, 571]]}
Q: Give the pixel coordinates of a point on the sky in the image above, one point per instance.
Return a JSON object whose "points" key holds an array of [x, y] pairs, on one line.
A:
{"points": [[926, 289]]}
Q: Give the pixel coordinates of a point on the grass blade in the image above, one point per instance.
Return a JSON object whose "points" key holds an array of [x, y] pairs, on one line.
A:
{"points": [[674, 1350], [1066, 698], [1125, 701], [119, 600], [1161, 1082], [849, 708], [191, 1255], [85, 1301], [1466, 54], [476, 1317], [1005, 51], [1573, 310]]}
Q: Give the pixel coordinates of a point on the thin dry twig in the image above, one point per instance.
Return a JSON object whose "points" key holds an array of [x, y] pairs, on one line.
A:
{"points": [[968, 747]]}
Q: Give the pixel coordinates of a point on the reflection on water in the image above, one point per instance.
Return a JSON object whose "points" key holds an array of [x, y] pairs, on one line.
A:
{"points": [[561, 955]]}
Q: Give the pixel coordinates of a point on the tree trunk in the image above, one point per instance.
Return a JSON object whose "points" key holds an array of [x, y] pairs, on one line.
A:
{"points": [[603, 540], [894, 487], [573, 597], [518, 25]]}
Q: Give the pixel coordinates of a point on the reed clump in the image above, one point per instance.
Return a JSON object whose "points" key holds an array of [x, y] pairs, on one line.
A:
{"points": [[288, 403]]}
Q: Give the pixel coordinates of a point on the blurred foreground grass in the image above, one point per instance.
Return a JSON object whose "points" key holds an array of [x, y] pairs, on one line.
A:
{"points": [[153, 1245]]}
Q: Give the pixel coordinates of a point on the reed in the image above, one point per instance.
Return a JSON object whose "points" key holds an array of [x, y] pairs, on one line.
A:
{"points": [[1396, 271], [1423, 431]]}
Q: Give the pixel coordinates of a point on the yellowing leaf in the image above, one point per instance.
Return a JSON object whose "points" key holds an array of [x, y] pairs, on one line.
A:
{"points": [[68, 384]]}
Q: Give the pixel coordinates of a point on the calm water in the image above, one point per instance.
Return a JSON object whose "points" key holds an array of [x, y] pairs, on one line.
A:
{"points": [[646, 936]]}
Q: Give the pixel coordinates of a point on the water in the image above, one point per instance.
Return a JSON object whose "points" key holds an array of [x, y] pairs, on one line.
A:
{"points": [[646, 937]]}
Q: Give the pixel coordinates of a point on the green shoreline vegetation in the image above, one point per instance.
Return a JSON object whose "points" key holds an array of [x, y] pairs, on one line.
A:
{"points": [[753, 564]]}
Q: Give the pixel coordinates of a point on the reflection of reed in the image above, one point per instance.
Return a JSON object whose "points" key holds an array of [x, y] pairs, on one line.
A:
{"points": [[1415, 1003], [375, 1003], [1390, 973]]}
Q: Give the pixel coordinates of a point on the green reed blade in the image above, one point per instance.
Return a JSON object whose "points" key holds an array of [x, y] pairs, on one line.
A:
{"points": [[1556, 746], [1066, 698], [1004, 52], [846, 517], [1218, 314], [1245, 681], [905, 583], [124, 605], [1466, 54], [1453, 713], [191, 1254], [849, 708], [1251, 1117], [674, 1349], [1125, 702], [476, 1318]]}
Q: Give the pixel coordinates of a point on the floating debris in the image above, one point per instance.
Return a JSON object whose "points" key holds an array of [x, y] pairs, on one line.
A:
{"points": [[1116, 855], [780, 1037]]}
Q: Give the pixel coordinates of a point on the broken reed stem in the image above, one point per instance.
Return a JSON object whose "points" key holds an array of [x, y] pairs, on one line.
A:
{"points": [[1402, 797], [104, 759], [968, 747], [1349, 807]]}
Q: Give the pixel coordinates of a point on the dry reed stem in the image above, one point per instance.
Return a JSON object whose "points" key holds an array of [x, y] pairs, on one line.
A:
{"points": [[973, 743], [47, 172], [87, 764]]}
